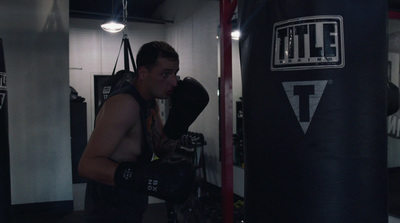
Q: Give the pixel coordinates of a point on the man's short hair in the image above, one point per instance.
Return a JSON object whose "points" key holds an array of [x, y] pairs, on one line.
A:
{"points": [[150, 52]]}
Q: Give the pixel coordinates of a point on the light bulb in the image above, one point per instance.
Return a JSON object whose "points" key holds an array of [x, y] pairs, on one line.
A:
{"points": [[112, 26]]}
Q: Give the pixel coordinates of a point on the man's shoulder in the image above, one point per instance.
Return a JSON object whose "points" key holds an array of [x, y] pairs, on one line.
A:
{"points": [[133, 92], [122, 109], [123, 99]]}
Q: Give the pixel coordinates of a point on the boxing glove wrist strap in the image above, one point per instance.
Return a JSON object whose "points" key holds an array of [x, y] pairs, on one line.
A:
{"points": [[124, 174]]}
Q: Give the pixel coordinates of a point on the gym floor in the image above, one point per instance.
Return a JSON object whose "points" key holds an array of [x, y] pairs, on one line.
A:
{"points": [[208, 209], [156, 213]]}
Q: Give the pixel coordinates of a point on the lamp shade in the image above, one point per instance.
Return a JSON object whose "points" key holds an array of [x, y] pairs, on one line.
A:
{"points": [[112, 26]]}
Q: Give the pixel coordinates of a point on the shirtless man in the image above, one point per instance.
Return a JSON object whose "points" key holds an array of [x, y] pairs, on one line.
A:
{"points": [[129, 129]]}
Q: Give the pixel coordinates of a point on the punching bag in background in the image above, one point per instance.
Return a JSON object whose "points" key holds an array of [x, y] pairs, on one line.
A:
{"points": [[314, 79], [5, 191]]}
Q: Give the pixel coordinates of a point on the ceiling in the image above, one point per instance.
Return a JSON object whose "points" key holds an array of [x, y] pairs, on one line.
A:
{"points": [[138, 10]]}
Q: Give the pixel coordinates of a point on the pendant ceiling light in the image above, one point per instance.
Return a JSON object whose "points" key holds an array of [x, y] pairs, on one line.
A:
{"points": [[114, 24]]}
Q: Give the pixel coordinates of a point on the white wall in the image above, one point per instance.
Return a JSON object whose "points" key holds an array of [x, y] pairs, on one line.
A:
{"points": [[35, 38]]}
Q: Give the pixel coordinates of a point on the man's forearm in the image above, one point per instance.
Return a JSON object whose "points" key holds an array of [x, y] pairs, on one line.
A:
{"points": [[98, 169]]}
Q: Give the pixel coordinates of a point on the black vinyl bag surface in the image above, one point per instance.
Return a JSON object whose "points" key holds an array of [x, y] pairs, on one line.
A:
{"points": [[314, 77]]}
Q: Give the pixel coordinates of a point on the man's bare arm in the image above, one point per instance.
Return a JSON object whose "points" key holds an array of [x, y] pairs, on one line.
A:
{"points": [[116, 117]]}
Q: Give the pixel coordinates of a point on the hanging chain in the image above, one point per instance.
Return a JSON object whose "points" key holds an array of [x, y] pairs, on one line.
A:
{"points": [[125, 15], [125, 10]]}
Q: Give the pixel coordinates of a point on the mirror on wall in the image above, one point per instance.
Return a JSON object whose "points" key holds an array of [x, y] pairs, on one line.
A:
{"points": [[237, 113]]}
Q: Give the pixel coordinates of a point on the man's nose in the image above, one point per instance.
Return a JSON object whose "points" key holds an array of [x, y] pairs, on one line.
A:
{"points": [[174, 80]]}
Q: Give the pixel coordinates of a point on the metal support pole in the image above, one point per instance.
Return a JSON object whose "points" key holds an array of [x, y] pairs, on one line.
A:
{"points": [[126, 55], [227, 8]]}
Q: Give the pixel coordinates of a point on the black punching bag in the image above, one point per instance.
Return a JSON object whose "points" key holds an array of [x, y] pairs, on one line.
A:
{"points": [[5, 191], [314, 100]]}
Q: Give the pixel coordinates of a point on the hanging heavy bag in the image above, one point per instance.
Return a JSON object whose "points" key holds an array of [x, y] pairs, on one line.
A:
{"points": [[123, 77], [314, 77], [117, 81]]}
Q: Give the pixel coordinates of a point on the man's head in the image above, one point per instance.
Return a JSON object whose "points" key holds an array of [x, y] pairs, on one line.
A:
{"points": [[157, 66], [150, 52]]}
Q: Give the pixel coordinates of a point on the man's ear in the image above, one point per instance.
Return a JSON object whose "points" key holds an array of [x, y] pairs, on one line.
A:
{"points": [[142, 71]]}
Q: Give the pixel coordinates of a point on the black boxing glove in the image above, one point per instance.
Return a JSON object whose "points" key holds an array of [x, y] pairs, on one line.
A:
{"points": [[188, 100], [170, 178]]}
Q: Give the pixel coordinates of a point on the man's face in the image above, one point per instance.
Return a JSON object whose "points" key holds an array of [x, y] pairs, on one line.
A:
{"points": [[161, 80]]}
